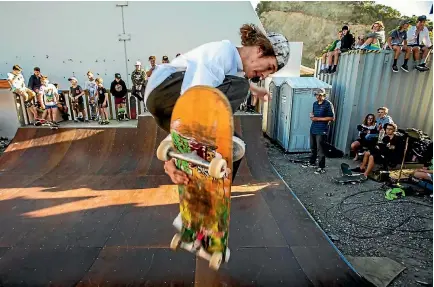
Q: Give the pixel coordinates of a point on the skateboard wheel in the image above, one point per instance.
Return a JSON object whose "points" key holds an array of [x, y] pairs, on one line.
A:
{"points": [[216, 260], [163, 150], [176, 240], [227, 255], [217, 167]]}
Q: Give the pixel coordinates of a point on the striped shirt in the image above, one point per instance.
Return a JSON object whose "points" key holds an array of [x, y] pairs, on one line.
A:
{"points": [[323, 110]]}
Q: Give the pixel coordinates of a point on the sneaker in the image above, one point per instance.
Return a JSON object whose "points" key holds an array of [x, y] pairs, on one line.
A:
{"points": [[422, 68], [404, 68], [395, 69], [319, 170], [308, 164]]}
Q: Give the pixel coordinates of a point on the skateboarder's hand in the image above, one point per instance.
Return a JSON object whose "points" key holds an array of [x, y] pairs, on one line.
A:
{"points": [[177, 176], [260, 93]]}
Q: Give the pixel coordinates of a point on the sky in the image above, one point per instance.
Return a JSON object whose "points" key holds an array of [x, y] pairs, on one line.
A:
{"points": [[405, 7]]}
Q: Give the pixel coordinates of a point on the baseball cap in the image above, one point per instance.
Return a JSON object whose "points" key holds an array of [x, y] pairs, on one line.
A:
{"points": [[118, 76], [165, 58], [320, 91], [421, 18], [281, 48], [138, 63], [72, 78]]}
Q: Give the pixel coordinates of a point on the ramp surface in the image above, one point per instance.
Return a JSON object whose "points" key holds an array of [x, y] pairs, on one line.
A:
{"points": [[93, 207]]}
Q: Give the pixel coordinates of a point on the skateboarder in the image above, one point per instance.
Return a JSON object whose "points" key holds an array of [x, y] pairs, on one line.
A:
{"points": [[138, 78], [92, 88], [48, 96], [221, 65], [102, 102], [118, 89]]}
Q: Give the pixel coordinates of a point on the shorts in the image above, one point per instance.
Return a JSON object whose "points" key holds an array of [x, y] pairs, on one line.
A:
{"points": [[78, 106], [119, 101], [416, 45], [48, 107]]}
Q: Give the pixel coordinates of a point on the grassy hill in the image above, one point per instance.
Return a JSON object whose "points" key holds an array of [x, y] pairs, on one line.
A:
{"points": [[316, 23]]}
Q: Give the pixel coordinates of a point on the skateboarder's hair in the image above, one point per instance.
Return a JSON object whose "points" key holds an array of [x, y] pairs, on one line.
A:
{"points": [[252, 36]]}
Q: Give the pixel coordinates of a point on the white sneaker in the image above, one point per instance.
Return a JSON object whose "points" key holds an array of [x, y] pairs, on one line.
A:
{"points": [[239, 147]]}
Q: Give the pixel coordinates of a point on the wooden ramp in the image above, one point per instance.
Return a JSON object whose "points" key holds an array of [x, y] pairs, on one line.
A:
{"points": [[93, 207]]}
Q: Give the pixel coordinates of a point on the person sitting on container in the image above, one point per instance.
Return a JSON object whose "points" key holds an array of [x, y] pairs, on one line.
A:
{"points": [[375, 40], [368, 126], [328, 52], [397, 42], [388, 152], [360, 41], [418, 39]]}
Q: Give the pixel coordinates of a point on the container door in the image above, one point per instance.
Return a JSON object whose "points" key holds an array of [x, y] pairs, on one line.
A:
{"points": [[282, 114], [299, 134], [271, 113]]}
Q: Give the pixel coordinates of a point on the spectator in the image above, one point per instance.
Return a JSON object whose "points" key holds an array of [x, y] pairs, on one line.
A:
{"points": [[48, 97], [152, 66], [328, 54], [165, 60], [347, 41], [418, 39], [102, 102], [388, 152], [61, 104], [77, 94], [35, 80], [321, 116], [382, 121], [92, 88], [364, 129], [138, 78], [375, 40], [397, 41], [118, 89], [360, 41], [16, 81]]}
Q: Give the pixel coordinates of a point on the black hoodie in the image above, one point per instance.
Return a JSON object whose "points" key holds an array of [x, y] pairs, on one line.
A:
{"points": [[118, 89], [347, 41]]}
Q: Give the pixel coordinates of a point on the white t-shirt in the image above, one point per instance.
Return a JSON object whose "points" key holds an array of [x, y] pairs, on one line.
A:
{"points": [[205, 65], [48, 92], [18, 82], [423, 36], [92, 87]]}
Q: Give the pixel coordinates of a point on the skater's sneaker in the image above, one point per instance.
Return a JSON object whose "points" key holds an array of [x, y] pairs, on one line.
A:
{"points": [[395, 69], [106, 122], [422, 68], [307, 164], [319, 170], [404, 68]]}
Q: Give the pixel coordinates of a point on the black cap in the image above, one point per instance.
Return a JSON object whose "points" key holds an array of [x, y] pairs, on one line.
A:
{"points": [[421, 18], [118, 76], [165, 58], [345, 28]]}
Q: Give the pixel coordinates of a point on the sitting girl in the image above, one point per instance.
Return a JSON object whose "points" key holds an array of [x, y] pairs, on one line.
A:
{"points": [[367, 127]]}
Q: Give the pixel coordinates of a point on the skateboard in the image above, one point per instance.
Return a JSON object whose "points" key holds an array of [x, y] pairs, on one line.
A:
{"points": [[345, 168], [202, 145], [133, 114], [353, 179], [122, 114], [93, 109], [299, 159]]}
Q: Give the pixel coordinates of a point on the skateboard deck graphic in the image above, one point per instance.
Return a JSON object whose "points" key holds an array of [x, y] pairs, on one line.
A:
{"points": [[133, 114], [201, 132]]}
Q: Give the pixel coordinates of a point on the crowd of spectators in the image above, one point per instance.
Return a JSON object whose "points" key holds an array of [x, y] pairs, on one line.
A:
{"points": [[412, 40], [42, 98]]}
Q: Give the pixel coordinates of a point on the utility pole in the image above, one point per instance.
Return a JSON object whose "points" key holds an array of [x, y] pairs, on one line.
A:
{"points": [[124, 37]]}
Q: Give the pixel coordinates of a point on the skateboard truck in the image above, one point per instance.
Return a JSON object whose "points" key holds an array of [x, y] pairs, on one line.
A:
{"points": [[216, 168]]}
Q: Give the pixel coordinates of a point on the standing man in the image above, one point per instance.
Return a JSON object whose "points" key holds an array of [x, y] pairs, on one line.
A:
{"points": [[151, 67], [418, 39], [322, 114], [138, 78]]}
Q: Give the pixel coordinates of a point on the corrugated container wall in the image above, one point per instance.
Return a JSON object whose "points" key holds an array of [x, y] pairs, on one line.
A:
{"points": [[365, 82], [290, 110]]}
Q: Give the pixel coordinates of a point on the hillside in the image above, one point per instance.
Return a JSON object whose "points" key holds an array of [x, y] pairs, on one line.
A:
{"points": [[316, 23]]}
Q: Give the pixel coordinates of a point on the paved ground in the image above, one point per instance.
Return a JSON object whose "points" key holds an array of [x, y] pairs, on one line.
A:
{"points": [[361, 221]]}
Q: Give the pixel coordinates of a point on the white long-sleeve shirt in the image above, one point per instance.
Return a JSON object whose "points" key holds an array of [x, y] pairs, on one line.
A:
{"points": [[423, 36], [207, 65]]}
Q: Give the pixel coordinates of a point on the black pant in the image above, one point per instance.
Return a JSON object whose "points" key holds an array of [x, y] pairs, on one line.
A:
{"points": [[138, 93], [162, 99], [317, 149]]}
